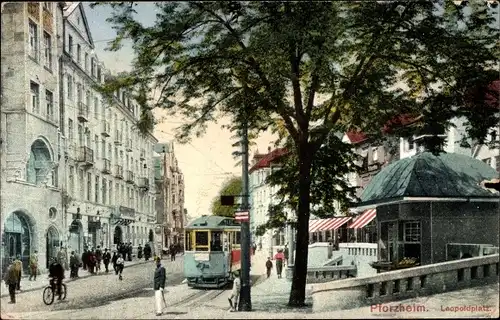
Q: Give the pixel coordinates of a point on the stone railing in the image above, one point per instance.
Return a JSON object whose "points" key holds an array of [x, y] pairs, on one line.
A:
{"points": [[330, 273], [359, 249], [406, 283]]}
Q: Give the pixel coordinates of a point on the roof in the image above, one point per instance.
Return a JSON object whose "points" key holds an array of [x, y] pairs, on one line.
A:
{"points": [[212, 222], [68, 11], [447, 175], [398, 121], [272, 156]]}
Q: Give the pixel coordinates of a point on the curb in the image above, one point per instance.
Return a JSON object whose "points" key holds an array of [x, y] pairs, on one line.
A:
{"points": [[69, 280]]}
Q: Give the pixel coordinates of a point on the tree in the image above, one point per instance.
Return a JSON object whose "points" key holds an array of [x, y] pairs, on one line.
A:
{"points": [[311, 67], [231, 187]]}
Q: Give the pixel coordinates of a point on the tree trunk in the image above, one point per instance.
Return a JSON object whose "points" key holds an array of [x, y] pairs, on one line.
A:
{"points": [[298, 291]]}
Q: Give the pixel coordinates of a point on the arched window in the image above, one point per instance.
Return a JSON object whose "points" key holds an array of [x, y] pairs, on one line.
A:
{"points": [[39, 167]]}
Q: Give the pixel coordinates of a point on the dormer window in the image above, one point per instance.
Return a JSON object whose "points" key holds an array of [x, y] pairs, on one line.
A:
{"points": [[411, 143]]}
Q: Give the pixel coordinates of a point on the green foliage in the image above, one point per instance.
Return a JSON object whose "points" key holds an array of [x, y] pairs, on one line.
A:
{"points": [[231, 187], [307, 69]]}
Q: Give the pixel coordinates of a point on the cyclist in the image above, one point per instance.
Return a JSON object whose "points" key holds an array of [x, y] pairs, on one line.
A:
{"points": [[56, 273]]}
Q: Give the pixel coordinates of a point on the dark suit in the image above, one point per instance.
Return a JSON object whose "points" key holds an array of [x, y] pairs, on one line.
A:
{"points": [[160, 278]]}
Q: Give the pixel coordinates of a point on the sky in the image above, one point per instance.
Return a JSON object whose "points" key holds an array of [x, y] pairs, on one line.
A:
{"points": [[207, 161]]}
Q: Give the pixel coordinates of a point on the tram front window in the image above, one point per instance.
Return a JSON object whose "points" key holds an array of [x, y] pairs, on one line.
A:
{"points": [[201, 241], [216, 243], [187, 241]]}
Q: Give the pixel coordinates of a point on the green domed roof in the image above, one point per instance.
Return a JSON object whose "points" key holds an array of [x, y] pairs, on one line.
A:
{"points": [[447, 175]]}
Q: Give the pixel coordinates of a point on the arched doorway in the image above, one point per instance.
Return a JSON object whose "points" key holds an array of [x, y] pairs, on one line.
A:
{"points": [[118, 235], [75, 240], [151, 236], [16, 239], [40, 168], [51, 244]]}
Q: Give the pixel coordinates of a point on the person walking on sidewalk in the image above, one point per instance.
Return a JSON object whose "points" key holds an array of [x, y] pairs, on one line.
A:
{"points": [[160, 278], [113, 261], [279, 257], [98, 257], [11, 281], [234, 298], [286, 254], [74, 264], [269, 266], [120, 264], [33, 266], [18, 266], [106, 257]]}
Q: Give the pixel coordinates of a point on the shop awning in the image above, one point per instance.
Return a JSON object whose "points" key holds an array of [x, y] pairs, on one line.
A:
{"points": [[364, 219], [327, 224], [123, 222]]}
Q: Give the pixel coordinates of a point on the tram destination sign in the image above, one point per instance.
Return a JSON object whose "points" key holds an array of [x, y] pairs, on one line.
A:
{"points": [[242, 216]]}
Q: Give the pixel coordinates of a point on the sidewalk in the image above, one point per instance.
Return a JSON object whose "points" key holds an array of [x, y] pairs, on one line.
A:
{"points": [[42, 280]]}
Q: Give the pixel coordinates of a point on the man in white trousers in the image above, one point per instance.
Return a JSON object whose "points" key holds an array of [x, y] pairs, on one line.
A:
{"points": [[159, 285], [235, 293]]}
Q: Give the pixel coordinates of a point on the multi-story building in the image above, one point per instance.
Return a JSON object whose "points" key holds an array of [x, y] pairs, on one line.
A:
{"points": [[261, 196], [31, 149], [489, 152], [110, 171], [170, 198]]}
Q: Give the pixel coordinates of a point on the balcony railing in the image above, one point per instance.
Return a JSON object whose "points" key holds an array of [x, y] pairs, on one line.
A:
{"points": [[83, 112], [119, 171], [105, 128], [106, 166], [130, 177], [128, 145], [143, 183], [86, 156], [118, 137]]}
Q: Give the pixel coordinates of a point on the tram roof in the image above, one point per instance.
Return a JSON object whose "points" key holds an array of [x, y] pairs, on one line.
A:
{"points": [[213, 222]]}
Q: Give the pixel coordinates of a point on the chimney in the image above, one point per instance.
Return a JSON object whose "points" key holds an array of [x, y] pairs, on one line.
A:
{"points": [[268, 149]]}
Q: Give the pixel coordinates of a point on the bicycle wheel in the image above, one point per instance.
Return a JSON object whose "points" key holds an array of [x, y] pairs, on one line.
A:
{"points": [[48, 296], [64, 291]]}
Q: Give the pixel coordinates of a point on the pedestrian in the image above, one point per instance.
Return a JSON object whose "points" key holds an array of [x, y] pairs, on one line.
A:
{"points": [[269, 266], [139, 252], [279, 257], [56, 272], [172, 252], [286, 254], [129, 251], [85, 256], [98, 257], [11, 280], [160, 278], [120, 263], [33, 265], [18, 266], [235, 293], [92, 261], [105, 258], [147, 251], [74, 264], [113, 261]]}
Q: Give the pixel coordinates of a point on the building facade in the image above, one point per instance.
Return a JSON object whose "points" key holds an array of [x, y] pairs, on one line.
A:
{"points": [[110, 172], [170, 197], [74, 171], [489, 152], [31, 146]]}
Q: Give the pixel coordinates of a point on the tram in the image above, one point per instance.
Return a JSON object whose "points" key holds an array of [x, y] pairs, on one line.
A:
{"points": [[212, 251]]}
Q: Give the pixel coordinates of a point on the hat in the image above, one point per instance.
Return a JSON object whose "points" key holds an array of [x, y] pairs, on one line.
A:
{"points": [[158, 259]]}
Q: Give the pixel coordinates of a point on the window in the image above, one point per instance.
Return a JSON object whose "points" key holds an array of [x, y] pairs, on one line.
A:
{"points": [[70, 87], [104, 191], [47, 6], [49, 98], [96, 194], [78, 53], [70, 131], [412, 231], [78, 93], [70, 45], [86, 62], [375, 154], [411, 143], [187, 241], [71, 180], [99, 74], [35, 97], [82, 184], [89, 186], [81, 140], [110, 190], [103, 149], [201, 242], [47, 40], [96, 107], [487, 161], [33, 40], [216, 241], [92, 67]]}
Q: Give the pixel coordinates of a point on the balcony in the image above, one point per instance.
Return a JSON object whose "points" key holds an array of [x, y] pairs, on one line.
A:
{"points": [[143, 183], [130, 177], [118, 138], [119, 171], [105, 128], [83, 112], [142, 155], [128, 145], [86, 156], [106, 166]]}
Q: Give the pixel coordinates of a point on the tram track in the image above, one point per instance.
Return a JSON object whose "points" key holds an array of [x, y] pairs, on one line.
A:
{"points": [[198, 297]]}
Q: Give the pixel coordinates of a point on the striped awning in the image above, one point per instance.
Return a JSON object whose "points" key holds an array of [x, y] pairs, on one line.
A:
{"points": [[327, 224], [364, 219], [123, 222]]}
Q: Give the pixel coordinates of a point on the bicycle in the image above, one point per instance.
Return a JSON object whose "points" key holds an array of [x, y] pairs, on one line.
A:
{"points": [[49, 292]]}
